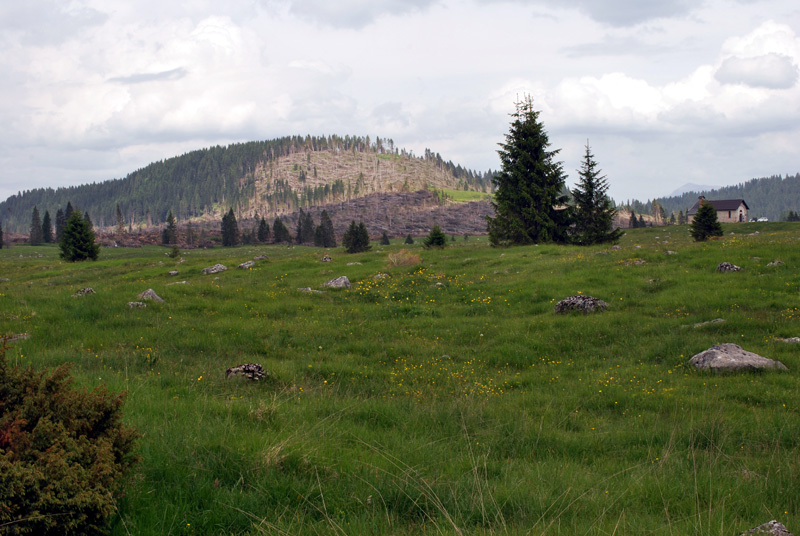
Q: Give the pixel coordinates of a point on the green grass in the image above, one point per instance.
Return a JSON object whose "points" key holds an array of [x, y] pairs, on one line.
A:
{"points": [[445, 399], [462, 196]]}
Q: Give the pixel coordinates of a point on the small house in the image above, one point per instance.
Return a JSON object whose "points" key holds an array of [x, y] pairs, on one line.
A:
{"points": [[728, 210]]}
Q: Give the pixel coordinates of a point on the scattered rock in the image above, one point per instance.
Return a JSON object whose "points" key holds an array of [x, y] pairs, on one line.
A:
{"points": [[776, 262], [17, 337], [773, 528], [4, 279], [326, 258], [252, 371], [792, 340], [616, 248], [260, 258], [635, 262], [136, 305], [584, 304], [353, 264], [602, 253], [309, 290], [248, 264], [150, 294], [83, 292], [378, 277], [338, 282], [754, 233], [715, 321], [173, 272], [668, 252], [731, 356], [217, 268], [637, 247], [727, 267], [178, 283]]}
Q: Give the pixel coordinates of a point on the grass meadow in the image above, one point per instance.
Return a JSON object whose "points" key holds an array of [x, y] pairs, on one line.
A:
{"points": [[446, 398]]}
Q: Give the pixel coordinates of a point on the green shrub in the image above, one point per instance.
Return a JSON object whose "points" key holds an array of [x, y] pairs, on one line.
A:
{"points": [[436, 238], [62, 452]]}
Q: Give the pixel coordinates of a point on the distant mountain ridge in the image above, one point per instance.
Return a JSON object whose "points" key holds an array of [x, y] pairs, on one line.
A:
{"points": [[268, 178]]}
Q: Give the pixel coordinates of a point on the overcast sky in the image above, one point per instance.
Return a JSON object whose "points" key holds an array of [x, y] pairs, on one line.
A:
{"points": [[666, 92]]}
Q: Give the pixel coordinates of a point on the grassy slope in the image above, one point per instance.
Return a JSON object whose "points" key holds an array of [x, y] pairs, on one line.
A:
{"points": [[447, 398]]}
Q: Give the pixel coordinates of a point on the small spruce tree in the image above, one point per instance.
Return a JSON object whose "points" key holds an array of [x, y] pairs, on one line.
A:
{"points": [[593, 212], [170, 234], [279, 232], [409, 239], [77, 241], [263, 231], [230, 229], [385, 239], [435, 239], [705, 223]]}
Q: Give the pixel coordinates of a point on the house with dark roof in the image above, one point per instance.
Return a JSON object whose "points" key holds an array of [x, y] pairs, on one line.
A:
{"points": [[728, 210]]}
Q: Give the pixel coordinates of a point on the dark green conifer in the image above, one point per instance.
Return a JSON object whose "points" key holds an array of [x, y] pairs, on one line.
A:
{"points": [[77, 241], [47, 228], [230, 229], [705, 222], [528, 190], [356, 238], [435, 239], [35, 237], [593, 212]]}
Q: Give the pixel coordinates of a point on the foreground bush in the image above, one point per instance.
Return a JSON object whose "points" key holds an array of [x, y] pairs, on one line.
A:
{"points": [[62, 452]]}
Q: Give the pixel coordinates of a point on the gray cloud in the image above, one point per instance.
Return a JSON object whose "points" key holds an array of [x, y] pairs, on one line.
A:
{"points": [[620, 12], [173, 74], [771, 71]]}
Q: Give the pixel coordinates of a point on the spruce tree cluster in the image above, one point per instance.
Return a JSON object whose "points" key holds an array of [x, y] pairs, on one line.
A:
{"points": [[230, 229], [77, 240], [280, 233], [356, 238], [435, 239], [324, 235], [529, 188], [594, 212], [705, 223], [792, 216]]}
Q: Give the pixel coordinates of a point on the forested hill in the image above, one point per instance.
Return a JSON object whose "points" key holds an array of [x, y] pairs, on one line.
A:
{"points": [[770, 197], [266, 177]]}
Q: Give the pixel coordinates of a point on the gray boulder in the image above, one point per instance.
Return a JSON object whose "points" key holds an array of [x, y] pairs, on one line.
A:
{"points": [[309, 290], [251, 371], [260, 258], [150, 294], [248, 264], [217, 268], [776, 262], [326, 258], [338, 282], [727, 267], [83, 292], [731, 356], [136, 305], [583, 304], [773, 527]]}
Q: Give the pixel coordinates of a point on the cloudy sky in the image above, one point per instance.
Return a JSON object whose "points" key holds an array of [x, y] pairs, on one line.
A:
{"points": [[667, 93]]}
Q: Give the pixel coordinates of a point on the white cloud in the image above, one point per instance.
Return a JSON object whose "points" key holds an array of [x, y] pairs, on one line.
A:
{"points": [[772, 71]]}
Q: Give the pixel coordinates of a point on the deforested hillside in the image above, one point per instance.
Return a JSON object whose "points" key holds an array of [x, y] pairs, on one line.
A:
{"points": [[270, 178]]}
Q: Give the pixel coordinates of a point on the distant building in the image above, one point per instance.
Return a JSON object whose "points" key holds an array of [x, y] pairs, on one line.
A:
{"points": [[728, 210]]}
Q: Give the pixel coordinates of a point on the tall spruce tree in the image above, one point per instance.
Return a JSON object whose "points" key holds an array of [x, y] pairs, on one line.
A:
{"points": [[120, 223], [230, 229], [77, 241], [47, 228], [327, 235], [279, 232], [705, 222], [170, 233], [1, 236], [262, 235], [61, 222], [305, 228], [35, 237], [528, 190], [594, 211]]}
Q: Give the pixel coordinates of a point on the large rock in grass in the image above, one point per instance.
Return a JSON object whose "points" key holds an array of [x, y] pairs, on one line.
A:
{"points": [[247, 265], [727, 267], [773, 528], [731, 356], [150, 294], [582, 304], [251, 371], [217, 268], [338, 282]]}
